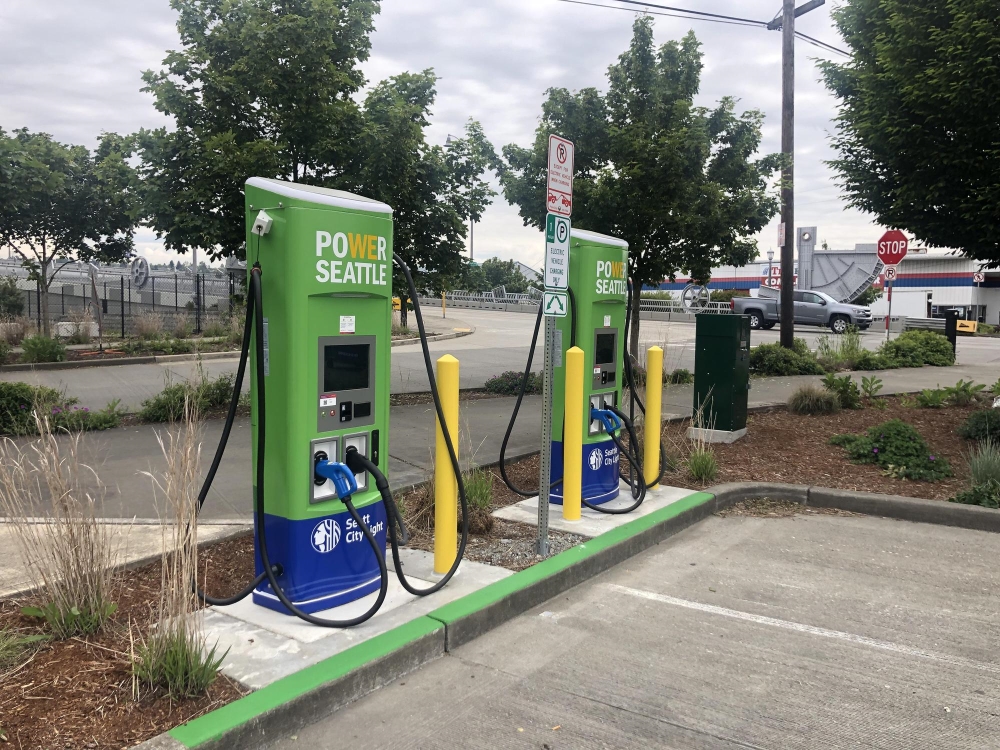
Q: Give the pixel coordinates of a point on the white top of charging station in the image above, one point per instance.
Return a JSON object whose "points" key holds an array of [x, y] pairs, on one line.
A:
{"points": [[321, 195], [604, 239]]}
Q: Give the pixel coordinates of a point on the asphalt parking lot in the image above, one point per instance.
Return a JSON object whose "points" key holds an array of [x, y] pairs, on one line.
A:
{"points": [[814, 631]]}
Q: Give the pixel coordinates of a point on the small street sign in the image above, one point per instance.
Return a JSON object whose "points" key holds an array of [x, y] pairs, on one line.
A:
{"points": [[559, 184], [781, 234], [979, 277], [556, 252], [892, 247], [889, 272], [554, 304]]}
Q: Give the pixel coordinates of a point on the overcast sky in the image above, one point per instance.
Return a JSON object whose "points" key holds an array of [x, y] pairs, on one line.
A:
{"points": [[72, 68]]}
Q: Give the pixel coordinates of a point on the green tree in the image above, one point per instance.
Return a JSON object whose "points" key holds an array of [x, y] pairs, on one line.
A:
{"points": [[260, 87], [11, 296], [919, 112], [504, 273], [868, 296], [431, 189], [678, 182], [470, 278], [63, 204]]}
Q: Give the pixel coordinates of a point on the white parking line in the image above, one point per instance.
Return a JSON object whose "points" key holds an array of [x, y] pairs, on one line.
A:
{"points": [[798, 627]]}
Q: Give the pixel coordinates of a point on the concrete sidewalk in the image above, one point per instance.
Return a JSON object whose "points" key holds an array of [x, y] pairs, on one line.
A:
{"points": [[791, 633]]}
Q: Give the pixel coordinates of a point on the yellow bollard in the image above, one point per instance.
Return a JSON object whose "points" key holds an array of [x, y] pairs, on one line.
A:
{"points": [[573, 435], [445, 483], [654, 404]]}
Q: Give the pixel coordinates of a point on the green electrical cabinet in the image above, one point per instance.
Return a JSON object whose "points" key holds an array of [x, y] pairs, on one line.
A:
{"points": [[722, 374]]}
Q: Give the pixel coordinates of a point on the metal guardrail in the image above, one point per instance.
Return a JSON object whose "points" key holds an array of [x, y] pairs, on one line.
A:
{"points": [[650, 304], [926, 324], [499, 299]]}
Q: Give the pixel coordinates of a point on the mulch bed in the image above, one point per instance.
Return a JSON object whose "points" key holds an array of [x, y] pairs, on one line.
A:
{"points": [[782, 447], [78, 693]]}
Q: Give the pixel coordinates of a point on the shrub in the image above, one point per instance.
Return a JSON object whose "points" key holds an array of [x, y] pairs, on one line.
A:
{"points": [[174, 658], [168, 405], [984, 462], [11, 298], [812, 400], [215, 329], [182, 327], [964, 393], [509, 383], [843, 351], [774, 359], [986, 495], [896, 447], [234, 325], [681, 376], [80, 418], [148, 325], [18, 400], [986, 328], [981, 425], [845, 389], [702, 465], [995, 388], [15, 327], [868, 361], [479, 492], [41, 348], [70, 558], [918, 348], [932, 398], [81, 321], [5, 350], [870, 386]]}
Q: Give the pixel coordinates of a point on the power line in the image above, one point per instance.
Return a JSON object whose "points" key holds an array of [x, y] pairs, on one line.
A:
{"points": [[821, 44], [694, 12], [670, 15]]}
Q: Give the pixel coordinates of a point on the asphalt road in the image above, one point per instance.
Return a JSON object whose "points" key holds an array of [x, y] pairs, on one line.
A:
{"points": [[786, 634], [500, 342]]}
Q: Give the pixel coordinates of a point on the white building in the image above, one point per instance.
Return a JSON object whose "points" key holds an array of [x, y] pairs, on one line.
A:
{"points": [[945, 276]]}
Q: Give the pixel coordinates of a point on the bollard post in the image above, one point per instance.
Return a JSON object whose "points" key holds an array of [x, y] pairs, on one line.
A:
{"points": [[442, 305], [653, 425], [573, 437], [445, 482]]}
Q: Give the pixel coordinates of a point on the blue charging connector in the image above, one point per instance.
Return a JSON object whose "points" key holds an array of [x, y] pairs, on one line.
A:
{"points": [[607, 418], [341, 476]]}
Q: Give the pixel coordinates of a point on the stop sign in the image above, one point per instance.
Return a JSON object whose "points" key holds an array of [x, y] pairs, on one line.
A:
{"points": [[892, 247]]}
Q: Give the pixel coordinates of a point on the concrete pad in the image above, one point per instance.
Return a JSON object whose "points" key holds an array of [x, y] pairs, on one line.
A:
{"points": [[264, 645], [134, 541], [715, 436], [594, 523]]}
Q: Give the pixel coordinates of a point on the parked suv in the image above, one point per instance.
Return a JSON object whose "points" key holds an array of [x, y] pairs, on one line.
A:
{"points": [[811, 308]]}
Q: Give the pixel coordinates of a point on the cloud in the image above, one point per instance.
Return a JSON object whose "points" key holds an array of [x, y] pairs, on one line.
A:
{"points": [[72, 68]]}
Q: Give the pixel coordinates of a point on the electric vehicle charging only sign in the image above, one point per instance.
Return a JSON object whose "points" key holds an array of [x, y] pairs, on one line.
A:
{"points": [[556, 252]]}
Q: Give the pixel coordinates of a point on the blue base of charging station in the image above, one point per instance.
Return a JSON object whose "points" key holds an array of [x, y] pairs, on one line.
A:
{"points": [[600, 472], [326, 561]]}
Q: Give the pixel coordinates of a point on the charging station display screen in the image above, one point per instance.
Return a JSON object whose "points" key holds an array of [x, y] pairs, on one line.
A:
{"points": [[605, 349], [345, 367]]}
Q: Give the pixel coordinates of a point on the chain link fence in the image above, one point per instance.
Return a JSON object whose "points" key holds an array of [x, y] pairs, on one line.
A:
{"points": [[193, 301]]}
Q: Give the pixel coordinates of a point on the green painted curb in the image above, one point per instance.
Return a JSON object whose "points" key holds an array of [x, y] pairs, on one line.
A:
{"points": [[213, 725], [495, 592]]}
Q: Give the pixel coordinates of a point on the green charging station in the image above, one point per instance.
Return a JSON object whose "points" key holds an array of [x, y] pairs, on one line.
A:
{"points": [[325, 260], [598, 273]]}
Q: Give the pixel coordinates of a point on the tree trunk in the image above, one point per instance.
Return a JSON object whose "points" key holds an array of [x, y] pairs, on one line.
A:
{"points": [[46, 326], [403, 299]]}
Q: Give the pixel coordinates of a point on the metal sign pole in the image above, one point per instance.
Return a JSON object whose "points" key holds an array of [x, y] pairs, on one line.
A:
{"points": [[888, 316], [545, 468]]}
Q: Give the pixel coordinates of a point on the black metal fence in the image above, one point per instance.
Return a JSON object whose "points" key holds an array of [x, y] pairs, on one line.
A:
{"points": [[177, 301]]}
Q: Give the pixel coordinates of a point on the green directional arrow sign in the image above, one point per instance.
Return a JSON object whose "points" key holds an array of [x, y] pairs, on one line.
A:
{"points": [[554, 304]]}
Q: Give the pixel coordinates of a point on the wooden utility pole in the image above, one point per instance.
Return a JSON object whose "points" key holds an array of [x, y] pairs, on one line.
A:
{"points": [[788, 172]]}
